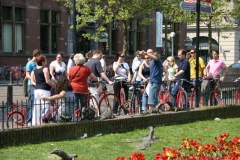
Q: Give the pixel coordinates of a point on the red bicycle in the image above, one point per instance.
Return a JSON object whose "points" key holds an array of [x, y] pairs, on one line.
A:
{"points": [[106, 99], [16, 115], [192, 95], [237, 92], [165, 98], [216, 93]]}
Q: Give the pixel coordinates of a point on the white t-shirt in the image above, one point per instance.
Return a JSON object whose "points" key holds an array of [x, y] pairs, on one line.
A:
{"points": [[70, 64], [122, 70], [59, 70], [103, 64]]}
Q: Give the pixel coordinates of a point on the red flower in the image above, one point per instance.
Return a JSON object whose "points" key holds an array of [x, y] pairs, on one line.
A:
{"points": [[137, 156]]}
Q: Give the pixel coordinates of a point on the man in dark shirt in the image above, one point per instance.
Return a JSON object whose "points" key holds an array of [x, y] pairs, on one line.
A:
{"points": [[183, 72], [95, 65]]}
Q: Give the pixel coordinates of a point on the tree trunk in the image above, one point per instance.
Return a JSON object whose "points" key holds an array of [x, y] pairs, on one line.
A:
{"points": [[125, 45]]}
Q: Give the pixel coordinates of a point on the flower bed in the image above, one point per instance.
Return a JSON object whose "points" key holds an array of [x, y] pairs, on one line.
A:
{"points": [[193, 150]]}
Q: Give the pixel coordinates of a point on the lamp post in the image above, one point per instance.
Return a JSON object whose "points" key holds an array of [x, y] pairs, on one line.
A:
{"points": [[172, 35]]}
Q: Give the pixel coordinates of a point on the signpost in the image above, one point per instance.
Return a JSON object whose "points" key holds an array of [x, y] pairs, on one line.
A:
{"points": [[195, 5], [191, 5], [188, 6]]}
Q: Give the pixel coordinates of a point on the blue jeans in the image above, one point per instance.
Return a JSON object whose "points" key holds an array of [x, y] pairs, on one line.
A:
{"points": [[82, 97], [200, 80], [153, 93], [30, 105], [174, 92], [144, 101]]}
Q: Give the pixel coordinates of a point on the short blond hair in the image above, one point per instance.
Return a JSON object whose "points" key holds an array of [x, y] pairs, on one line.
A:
{"points": [[79, 59], [171, 59]]}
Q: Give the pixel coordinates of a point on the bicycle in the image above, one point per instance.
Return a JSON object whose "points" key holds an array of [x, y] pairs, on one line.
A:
{"points": [[106, 98], [165, 97], [17, 115], [216, 93], [182, 98], [237, 92], [192, 97], [90, 111], [122, 110], [133, 106]]}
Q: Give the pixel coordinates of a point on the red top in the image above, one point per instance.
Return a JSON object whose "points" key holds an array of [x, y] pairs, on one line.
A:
{"points": [[79, 81]]}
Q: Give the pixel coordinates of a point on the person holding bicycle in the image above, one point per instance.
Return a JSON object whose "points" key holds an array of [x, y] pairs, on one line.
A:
{"points": [[78, 76], [172, 70], [155, 82], [183, 73], [144, 73], [122, 73], [193, 66], [214, 69]]}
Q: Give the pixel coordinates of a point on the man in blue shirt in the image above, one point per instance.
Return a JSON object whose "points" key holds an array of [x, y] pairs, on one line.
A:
{"points": [[183, 72], [155, 78], [31, 65]]}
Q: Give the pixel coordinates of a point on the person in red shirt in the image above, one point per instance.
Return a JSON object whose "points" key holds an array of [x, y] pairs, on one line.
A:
{"points": [[78, 76]]}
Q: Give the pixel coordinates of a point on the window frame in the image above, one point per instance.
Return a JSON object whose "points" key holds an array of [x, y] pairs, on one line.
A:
{"points": [[14, 24], [49, 24]]}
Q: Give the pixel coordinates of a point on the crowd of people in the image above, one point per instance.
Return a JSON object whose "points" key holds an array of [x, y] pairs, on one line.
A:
{"points": [[71, 83]]}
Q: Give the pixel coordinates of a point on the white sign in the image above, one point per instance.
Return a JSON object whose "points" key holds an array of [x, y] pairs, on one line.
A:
{"points": [[159, 22]]}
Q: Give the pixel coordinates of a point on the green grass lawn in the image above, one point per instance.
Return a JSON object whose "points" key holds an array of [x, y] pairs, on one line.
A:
{"points": [[111, 146]]}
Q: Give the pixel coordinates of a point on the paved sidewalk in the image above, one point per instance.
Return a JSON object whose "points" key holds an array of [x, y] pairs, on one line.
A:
{"points": [[17, 91]]}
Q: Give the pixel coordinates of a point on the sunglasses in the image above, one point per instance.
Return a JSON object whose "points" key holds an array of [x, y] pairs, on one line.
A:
{"points": [[122, 56], [192, 52], [146, 58]]}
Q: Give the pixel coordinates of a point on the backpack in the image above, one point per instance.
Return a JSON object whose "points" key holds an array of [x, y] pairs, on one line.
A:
{"points": [[50, 114], [88, 113]]}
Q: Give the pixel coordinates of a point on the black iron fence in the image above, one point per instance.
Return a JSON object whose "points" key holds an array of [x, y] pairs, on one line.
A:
{"points": [[15, 115]]}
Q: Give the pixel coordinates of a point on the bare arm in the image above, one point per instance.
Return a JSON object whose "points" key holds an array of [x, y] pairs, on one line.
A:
{"points": [[47, 78], [224, 73], [103, 75], [166, 73], [93, 77], [55, 97], [52, 72]]}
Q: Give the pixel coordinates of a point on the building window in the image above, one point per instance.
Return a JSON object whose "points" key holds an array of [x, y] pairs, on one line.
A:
{"points": [[13, 22], [49, 31], [110, 47], [135, 36]]}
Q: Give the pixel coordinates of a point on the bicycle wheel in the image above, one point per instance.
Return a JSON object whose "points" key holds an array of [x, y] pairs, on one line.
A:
{"points": [[135, 103], [167, 101], [215, 98], [15, 117], [193, 99], [182, 100], [123, 97], [108, 101], [94, 104]]}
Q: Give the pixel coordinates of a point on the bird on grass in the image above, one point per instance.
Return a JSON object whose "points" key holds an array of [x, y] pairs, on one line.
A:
{"points": [[64, 155]]}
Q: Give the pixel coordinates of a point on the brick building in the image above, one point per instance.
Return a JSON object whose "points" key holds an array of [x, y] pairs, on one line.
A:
{"points": [[45, 24], [27, 25]]}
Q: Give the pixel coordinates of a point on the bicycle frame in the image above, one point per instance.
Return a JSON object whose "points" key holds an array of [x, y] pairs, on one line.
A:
{"points": [[216, 93], [237, 81]]}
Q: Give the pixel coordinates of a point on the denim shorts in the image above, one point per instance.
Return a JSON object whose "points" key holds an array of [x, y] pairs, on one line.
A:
{"points": [[153, 93]]}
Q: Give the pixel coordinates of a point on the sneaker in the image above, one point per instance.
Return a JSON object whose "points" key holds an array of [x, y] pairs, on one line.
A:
{"points": [[145, 112]]}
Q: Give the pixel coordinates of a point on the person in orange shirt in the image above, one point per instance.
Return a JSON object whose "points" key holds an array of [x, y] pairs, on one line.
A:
{"points": [[78, 76]]}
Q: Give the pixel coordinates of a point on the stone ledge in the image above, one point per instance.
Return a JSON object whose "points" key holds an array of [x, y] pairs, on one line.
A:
{"points": [[73, 130]]}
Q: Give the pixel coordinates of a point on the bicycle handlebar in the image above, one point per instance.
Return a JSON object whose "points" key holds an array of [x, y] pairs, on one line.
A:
{"points": [[185, 81]]}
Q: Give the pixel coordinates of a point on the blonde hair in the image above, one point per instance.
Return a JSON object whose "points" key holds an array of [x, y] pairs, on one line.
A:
{"points": [[79, 59], [171, 61]]}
